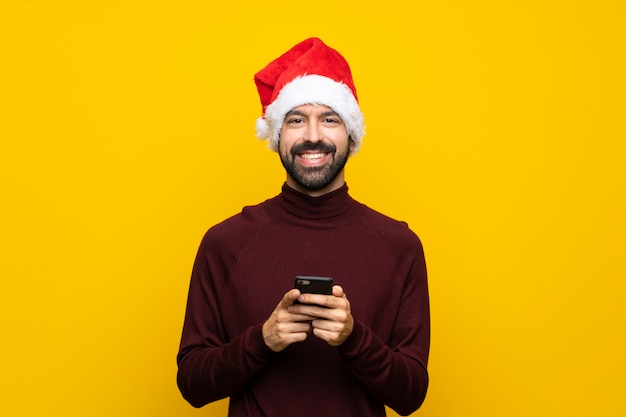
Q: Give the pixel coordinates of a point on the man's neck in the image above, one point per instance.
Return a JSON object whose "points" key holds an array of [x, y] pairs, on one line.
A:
{"points": [[336, 184]]}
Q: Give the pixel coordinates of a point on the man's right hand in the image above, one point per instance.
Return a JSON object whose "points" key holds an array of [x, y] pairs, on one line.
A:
{"points": [[283, 328]]}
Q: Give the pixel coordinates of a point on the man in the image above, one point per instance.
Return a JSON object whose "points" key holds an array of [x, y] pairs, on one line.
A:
{"points": [[346, 354]]}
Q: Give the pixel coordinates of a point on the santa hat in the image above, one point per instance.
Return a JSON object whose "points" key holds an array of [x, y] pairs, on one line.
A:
{"points": [[309, 73]]}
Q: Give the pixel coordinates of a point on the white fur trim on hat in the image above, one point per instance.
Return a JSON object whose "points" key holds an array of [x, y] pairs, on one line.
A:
{"points": [[312, 89]]}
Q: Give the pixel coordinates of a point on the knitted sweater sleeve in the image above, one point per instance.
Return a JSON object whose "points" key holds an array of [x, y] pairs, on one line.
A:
{"points": [[395, 372], [211, 366]]}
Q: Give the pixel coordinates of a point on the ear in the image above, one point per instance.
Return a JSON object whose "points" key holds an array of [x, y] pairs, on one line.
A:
{"points": [[352, 144]]}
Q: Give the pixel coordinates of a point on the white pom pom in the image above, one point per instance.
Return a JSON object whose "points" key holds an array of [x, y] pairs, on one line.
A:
{"points": [[262, 128]]}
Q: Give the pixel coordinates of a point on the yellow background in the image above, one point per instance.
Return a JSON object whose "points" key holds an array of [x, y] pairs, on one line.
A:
{"points": [[496, 129]]}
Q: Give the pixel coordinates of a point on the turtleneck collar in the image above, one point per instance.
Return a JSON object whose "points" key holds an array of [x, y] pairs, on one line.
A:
{"points": [[322, 207]]}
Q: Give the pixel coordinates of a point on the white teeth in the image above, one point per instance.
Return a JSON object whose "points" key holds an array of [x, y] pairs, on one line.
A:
{"points": [[312, 155]]}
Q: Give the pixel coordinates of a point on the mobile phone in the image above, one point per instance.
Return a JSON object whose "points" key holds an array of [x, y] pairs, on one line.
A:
{"points": [[314, 285]]}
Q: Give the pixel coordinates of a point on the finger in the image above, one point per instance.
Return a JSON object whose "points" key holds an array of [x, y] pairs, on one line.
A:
{"points": [[315, 299], [332, 338], [295, 327], [333, 333], [299, 317], [289, 297], [326, 301], [329, 315], [327, 325], [338, 291]]}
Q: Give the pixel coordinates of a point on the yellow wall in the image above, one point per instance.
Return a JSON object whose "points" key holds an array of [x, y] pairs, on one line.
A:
{"points": [[495, 128]]}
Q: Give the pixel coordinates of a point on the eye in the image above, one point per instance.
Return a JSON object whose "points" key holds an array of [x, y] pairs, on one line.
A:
{"points": [[293, 121], [332, 120]]}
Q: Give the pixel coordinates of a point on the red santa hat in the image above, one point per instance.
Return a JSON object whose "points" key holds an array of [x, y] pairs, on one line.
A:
{"points": [[309, 73]]}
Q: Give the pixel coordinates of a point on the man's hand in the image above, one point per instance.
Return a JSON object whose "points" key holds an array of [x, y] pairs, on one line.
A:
{"points": [[284, 327], [332, 319]]}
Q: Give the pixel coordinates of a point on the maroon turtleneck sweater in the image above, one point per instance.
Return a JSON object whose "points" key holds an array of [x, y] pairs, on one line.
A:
{"points": [[248, 262]]}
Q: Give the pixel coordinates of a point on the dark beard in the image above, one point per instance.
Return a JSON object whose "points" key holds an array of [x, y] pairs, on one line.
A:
{"points": [[314, 178]]}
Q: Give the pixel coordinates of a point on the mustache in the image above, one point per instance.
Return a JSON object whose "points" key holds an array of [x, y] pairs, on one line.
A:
{"points": [[310, 146]]}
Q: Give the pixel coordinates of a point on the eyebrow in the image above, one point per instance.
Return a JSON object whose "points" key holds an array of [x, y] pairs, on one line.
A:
{"points": [[299, 113], [294, 113]]}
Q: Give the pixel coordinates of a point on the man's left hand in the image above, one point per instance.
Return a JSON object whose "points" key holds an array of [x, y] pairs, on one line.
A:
{"points": [[333, 321]]}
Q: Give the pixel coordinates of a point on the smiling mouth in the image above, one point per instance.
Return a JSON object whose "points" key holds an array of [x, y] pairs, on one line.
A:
{"points": [[312, 156]]}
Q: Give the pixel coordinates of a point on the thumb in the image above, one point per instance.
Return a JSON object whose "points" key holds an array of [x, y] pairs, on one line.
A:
{"points": [[289, 297]]}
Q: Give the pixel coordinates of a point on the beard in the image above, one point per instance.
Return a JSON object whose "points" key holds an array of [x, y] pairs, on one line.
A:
{"points": [[314, 178]]}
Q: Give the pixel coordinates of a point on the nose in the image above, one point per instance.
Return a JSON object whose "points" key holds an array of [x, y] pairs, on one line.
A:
{"points": [[313, 133]]}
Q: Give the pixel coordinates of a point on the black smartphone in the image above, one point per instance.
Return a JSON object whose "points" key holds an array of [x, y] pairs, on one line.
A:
{"points": [[314, 285]]}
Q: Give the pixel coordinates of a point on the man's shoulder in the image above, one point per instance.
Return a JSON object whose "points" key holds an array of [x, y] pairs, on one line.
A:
{"points": [[239, 226], [387, 227], [377, 218], [249, 216]]}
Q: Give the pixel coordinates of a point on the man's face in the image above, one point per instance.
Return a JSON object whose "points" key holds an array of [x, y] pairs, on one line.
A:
{"points": [[314, 148]]}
